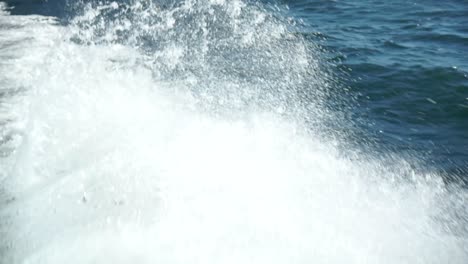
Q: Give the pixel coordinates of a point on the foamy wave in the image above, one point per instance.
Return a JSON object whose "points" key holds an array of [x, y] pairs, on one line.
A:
{"points": [[177, 134]]}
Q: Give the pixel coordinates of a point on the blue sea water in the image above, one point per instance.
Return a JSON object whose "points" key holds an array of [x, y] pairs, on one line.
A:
{"points": [[406, 65], [233, 131]]}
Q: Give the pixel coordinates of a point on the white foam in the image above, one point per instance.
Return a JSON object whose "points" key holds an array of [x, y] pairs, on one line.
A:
{"points": [[3, 9], [116, 164]]}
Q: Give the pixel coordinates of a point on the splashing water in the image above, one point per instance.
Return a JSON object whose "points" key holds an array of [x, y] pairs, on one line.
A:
{"points": [[192, 132]]}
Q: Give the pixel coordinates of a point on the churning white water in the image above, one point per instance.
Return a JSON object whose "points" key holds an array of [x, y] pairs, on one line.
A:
{"points": [[192, 132]]}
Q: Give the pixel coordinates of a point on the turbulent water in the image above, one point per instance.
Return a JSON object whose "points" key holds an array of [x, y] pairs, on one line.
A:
{"points": [[197, 131]]}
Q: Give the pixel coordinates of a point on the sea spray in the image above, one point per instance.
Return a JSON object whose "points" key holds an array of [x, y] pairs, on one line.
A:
{"points": [[191, 132]]}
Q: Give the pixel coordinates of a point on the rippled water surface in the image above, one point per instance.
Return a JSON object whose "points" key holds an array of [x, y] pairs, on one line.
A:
{"points": [[407, 64]]}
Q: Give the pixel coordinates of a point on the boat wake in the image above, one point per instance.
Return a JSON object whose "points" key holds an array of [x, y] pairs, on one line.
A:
{"points": [[196, 132]]}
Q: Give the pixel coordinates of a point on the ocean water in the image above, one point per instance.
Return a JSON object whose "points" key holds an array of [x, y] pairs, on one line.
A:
{"points": [[406, 64], [236, 131]]}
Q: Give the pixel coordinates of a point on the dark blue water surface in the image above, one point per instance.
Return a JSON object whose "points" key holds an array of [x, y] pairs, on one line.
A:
{"points": [[407, 64], [402, 69]]}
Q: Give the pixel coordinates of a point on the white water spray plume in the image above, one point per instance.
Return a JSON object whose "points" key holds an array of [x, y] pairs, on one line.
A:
{"points": [[196, 132]]}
